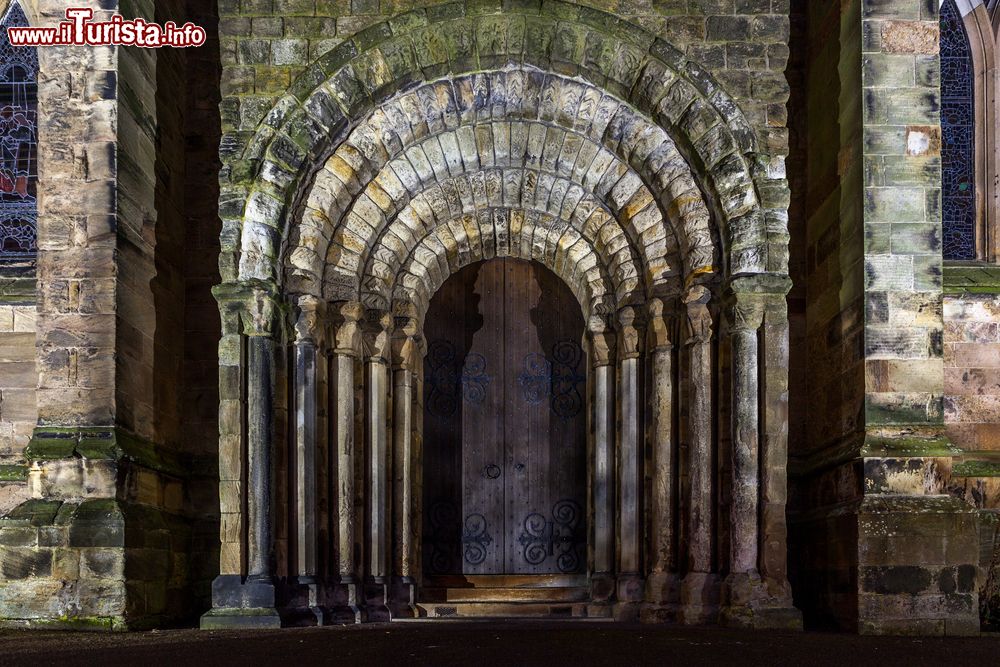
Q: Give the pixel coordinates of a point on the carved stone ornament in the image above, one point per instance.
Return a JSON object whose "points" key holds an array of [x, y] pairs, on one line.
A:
{"points": [[311, 311], [699, 316], [345, 322], [746, 312], [630, 333], [260, 313], [662, 324], [377, 334], [602, 342], [407, 348]]}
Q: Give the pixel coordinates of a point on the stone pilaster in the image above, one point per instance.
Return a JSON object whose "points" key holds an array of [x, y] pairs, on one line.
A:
{"points": [[246, 599], [756, 592], [308, 337], [663, 582], [700, 586]]}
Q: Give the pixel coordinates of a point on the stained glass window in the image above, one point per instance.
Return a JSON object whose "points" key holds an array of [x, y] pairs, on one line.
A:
{"points": [[958, 137], [18, 143]]}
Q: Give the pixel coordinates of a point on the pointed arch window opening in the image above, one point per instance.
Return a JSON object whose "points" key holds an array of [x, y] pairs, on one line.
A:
{"points": [[958, 138], [18, 144]]}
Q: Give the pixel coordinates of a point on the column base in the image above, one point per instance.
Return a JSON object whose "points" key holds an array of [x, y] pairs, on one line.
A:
{"points": [[700, 594], [377, 601], [403, 598], [345, 603], [239, 603], [746, 603], [663, 597], [630, 594], [303, 607]]}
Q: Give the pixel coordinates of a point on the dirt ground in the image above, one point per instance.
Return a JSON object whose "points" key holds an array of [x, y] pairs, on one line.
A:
{"points": [[552, 644]]}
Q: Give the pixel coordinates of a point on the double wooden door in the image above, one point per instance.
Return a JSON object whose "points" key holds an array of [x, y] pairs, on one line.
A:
{"points": [[504, 424]]}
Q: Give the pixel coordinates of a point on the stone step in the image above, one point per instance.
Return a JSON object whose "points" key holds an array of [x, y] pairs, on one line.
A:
{"points": [[504, 610], [503, 594]]}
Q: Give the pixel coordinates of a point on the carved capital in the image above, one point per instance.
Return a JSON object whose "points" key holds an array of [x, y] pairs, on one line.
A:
{"points": [[630, 333], [699, 316], [662, 323], [407, 348], [602, 342], [745, 312], [310, 314], [376, 330], [345, 323], [260, 314]]}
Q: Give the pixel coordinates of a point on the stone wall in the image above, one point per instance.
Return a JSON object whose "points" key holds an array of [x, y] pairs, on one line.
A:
{"points": [[18, 381], [872, 476], [972, 371], [122, 530]]}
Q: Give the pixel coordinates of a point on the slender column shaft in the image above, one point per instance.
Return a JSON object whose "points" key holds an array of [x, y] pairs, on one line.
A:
{"points": [[260, 437], [630, 468], [403, 471], [630, 449], [774, 454], [343, 371], [604, 466], [379, 466], [661, 497], [699, 437], [745, 443], [305, 445]]}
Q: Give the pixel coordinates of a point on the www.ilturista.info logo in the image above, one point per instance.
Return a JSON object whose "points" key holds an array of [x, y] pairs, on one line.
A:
{"points": [[79, 29]]}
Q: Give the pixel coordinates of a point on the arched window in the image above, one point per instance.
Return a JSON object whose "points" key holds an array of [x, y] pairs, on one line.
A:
{"points": [[18, 144], [958, 138]]}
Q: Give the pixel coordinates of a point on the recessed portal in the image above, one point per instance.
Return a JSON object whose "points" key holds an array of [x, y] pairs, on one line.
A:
{"points": [[505, 397]]}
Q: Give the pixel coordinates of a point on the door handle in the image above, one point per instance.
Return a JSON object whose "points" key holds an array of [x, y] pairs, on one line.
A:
{"points": [[492, 471]]}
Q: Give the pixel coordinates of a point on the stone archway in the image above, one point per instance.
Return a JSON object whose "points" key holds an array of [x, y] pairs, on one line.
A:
{"points": [[414, 149]]}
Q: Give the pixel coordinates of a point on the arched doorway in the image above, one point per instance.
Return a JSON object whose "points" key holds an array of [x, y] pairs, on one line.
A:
{"points": [[505, 446]]}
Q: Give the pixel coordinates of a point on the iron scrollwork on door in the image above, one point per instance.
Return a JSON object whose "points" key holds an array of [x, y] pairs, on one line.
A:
{"points": [[446, 535], [475, 539], [441, 538], [445, 381], [561, 538], [560, 378]]}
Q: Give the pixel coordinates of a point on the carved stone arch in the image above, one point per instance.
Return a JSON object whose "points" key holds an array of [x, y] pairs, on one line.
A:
{"points": [[587, 222], [353, 246], [405, 164], [536, 236], [745, 188]]}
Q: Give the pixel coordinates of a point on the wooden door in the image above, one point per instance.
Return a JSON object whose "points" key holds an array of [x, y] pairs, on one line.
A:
{"points": [[504, 424]]}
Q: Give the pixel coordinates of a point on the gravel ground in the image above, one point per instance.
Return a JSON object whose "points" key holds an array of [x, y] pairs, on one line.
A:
{"points": [[552, 644]]}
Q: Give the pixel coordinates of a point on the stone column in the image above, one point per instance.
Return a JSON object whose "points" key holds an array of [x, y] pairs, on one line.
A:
{"points": [[742, 587], [765, 594], [663, 584], [377, 334], [406, 355], [602, 358], [630, 470], [345, 320], [241, 601], [311, 312], [700, 587]]}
